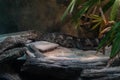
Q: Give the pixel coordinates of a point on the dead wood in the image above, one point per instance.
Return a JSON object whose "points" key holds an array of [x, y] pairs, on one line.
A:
{"points": [[57, 68], [12, 54], [106, 73], [27, 35], [35, 51], [10, 43]]}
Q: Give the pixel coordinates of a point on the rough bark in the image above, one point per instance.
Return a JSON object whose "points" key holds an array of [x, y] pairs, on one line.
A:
{"points": [[10, 43], [19, 39], [61, 69], [25, 35], [12, 54], [9, 76], [112, 73]]}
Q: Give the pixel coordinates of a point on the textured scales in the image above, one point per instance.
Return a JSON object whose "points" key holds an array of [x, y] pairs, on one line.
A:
{"points": [[71, 41]]}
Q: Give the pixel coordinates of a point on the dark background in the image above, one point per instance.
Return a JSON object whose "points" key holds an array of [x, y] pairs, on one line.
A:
{"points": [[42, 15]]}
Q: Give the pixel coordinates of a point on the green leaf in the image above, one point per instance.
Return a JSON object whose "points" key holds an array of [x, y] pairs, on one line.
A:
{"points": [[78, 2], [96, 25], [76, 24], [98, 20], [114, 10], [95, 17], [69, 9], [72, 7], [107, 39], [115, 27], [85, 7], [116, 46], [104, 40], [108, 5]]}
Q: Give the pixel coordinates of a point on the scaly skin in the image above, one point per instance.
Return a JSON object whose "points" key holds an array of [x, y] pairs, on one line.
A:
{"points": [[70, 41]]}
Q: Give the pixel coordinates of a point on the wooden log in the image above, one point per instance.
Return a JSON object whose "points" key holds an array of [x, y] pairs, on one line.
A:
{"points": [[12, 40], [10, 43], [34, 51], [109, 77], [67, 68], [9, 76], [44, 66], [19, 39], [29, 35], [13, 47], [12, 54], [101, 76], [104, 70], [106, 73]]}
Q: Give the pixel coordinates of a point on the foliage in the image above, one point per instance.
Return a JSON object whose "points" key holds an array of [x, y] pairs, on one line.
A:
{"points": [[109, 28], [93, 9], [113, 36]]}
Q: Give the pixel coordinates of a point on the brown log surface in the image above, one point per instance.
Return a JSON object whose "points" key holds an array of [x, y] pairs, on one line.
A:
{"points": [[69, 63]]}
